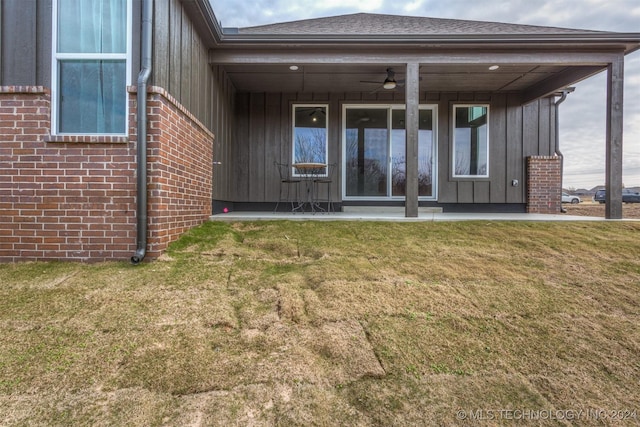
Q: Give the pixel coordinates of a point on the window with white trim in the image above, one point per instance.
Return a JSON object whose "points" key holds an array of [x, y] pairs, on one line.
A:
{"points": [[310, 134], [91, 58], [471, 141]]}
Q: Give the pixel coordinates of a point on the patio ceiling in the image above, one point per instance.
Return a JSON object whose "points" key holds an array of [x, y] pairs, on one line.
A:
{"points": [[434, 77]]}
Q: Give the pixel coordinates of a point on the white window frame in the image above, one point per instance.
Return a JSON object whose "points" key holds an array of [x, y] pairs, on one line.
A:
{"points": [[293, 135], [57, 57], [390, 107], [453, 140]]}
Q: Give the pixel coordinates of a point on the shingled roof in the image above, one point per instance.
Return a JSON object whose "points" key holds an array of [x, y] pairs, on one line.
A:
{"points": [[378, 24]]}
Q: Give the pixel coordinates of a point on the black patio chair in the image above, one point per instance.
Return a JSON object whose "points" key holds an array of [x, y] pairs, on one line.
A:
{"points": [[286, 182], [327, 180]]}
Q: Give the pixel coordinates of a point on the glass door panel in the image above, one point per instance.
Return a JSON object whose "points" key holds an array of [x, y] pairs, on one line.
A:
{"points": [[366, 153], [398, 153], [375, 152], [425, 154]]}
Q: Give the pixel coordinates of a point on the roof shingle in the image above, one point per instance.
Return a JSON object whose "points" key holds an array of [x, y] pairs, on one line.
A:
{"points": [[378, 24]]}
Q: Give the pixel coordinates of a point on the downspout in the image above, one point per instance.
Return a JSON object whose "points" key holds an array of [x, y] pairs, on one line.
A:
{"points": [[143, 78], [558, 153]]}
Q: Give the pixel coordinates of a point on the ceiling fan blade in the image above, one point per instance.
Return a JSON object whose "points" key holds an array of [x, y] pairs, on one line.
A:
{"points": [[369, 81]]}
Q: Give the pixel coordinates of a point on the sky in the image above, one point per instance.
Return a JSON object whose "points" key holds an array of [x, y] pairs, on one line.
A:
{"points": [[582, 115]]}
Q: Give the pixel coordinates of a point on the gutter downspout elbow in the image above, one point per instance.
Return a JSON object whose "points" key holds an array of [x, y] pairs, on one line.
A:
{"points": [[141, 112]]}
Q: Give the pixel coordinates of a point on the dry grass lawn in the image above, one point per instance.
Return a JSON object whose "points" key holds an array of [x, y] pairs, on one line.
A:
{"points": [[590, 208], [342, 323]]}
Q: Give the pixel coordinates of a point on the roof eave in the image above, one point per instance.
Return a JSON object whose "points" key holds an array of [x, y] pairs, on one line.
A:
{"points": [[217, 38], [631, 40], [205, 21]]}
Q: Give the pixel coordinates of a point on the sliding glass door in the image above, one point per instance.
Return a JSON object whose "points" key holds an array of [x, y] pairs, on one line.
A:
{"points": [[374, 143], [367, 152]]}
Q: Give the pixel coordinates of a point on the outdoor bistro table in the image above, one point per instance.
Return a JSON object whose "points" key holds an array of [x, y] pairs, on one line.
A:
{"points": [[309, 171]]}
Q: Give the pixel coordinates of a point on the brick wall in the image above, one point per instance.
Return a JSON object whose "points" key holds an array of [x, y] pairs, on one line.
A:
{"points": [[544, 189], [180, 171], [73, 198]]}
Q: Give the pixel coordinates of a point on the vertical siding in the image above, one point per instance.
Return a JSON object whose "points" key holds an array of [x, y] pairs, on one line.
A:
{"points": [[530, 129], [161, 46], [19, 36], [263, 134], [175, 50], [222, 110], [257, 143], [447, 189], [496, 191], [1, 38], [545, 143], [515, 168], [241, 147], [186, 56], [272, 132], [180, 61], [43, 43]]}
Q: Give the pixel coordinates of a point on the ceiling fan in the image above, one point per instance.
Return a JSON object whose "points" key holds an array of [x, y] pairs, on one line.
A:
{"points": [[389, 82]]}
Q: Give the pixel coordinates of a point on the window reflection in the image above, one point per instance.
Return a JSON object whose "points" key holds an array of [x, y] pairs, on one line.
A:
{"points": [[366, 152], [310, 134], [471, 141]]}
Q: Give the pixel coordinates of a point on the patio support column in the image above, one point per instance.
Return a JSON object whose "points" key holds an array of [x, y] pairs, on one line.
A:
{"points": [[412, 124], [613, 178]]}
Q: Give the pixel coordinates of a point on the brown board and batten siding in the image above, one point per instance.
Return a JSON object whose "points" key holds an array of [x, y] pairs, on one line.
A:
{"points": [[23, 28], [180, 61], [223, 108], [181, 66], [263, 134]]}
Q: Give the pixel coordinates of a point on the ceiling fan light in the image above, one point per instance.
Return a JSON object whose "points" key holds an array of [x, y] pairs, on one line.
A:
{"points": [[389, 84]]}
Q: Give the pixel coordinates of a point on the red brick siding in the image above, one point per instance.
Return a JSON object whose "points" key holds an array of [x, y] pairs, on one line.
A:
{"points": [[544, 189], [73, 198], [180, 171]]}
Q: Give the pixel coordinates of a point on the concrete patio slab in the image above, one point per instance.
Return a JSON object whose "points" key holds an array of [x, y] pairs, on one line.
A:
{"points": [[387, 215]]}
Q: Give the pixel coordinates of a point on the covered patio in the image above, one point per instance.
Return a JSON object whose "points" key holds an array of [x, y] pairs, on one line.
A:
{"points": [[519, 72]]}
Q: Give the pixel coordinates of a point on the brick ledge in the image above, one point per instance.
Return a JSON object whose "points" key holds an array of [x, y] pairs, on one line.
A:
{"points": [[24, 89], [99, 139], [157, 90]]}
